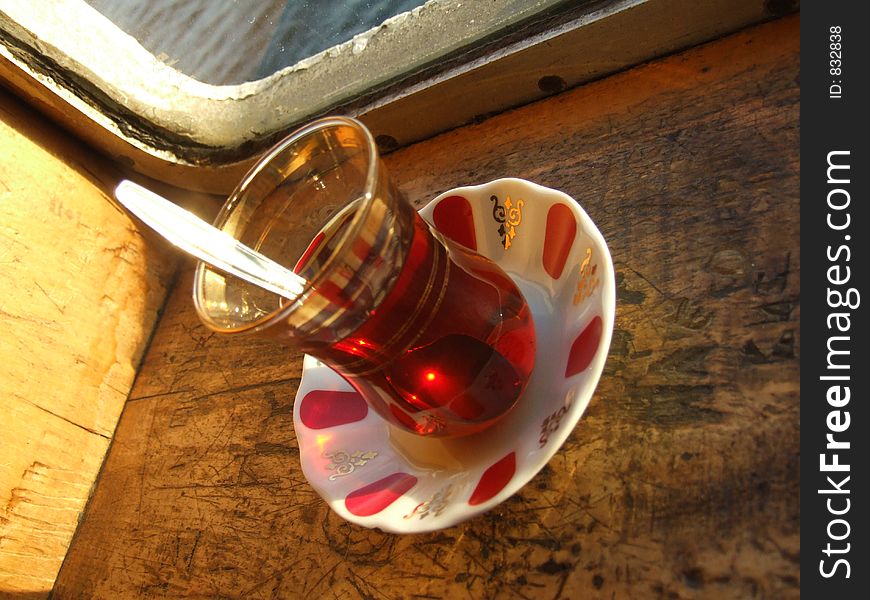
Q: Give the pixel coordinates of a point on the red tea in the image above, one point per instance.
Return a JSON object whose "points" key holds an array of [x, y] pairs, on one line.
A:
{"points": [[450, 347]]}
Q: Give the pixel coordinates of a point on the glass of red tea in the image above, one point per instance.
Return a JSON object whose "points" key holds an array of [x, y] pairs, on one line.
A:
{"points": [[437, 339]]}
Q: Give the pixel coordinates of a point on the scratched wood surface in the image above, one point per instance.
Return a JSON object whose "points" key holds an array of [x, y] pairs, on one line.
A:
{"points": [[80, 289], [681, 481]]}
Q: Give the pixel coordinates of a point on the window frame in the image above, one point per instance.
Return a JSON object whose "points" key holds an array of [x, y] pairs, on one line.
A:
{"points": [[193, 135]]}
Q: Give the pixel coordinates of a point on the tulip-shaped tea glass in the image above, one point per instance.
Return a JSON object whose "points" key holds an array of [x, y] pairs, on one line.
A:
{"points": [[436, 338]]}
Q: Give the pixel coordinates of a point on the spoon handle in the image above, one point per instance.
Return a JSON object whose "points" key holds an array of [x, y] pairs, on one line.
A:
{"points": [[207, 243]]}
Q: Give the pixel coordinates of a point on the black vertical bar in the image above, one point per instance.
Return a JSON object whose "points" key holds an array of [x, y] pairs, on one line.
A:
{"points": [[834, 301]]}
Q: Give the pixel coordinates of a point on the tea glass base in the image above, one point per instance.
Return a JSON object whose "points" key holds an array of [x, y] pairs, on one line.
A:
{"points": [[375, 475]]}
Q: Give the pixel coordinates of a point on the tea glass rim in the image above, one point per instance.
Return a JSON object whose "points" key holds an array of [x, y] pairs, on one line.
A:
{"points": [[240, 193]]}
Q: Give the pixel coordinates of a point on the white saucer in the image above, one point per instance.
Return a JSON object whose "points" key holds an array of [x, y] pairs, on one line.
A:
{"points": [[374, 475]]}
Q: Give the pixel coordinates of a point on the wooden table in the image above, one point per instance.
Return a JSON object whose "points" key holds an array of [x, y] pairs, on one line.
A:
{"points": [[681, 481]]}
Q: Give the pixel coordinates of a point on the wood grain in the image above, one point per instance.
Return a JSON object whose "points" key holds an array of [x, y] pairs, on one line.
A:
{"points": [[680, 482], [80, 294]]}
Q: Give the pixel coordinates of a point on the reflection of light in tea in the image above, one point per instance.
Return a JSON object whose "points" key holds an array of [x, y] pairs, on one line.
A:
{"points": [[430, 376]]}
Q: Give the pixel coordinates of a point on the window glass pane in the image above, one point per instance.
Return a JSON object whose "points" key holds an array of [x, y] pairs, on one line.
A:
{"points": [[233, 41]]}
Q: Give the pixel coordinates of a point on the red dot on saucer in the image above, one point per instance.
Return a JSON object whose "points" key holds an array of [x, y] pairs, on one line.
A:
{"points": [[584, 347], [324, 408], [494, 479], [559, 237], [453, 218], [377, 496]]}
